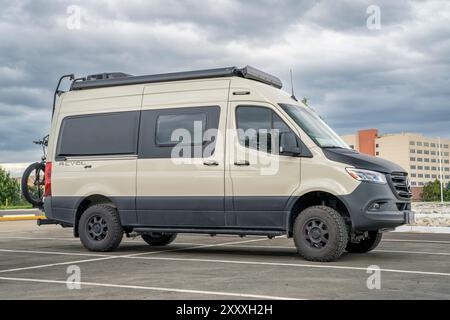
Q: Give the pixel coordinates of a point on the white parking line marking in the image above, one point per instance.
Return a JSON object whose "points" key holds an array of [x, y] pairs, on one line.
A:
{"points": [[108, 257], [201, 292], [277, 264], [418, 241], [139, 256], [294, 249], [57, 253]]}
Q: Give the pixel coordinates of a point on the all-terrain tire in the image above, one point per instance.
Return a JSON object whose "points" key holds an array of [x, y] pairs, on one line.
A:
{"points": [[100, 228], [35, 200], [159, 239], [320, 234], [365, 245]]}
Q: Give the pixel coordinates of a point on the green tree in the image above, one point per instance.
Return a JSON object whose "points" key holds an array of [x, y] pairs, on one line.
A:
{"points": [[432, 191], [9, 189]]}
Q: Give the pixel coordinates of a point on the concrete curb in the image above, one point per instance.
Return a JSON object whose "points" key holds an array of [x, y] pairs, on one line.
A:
{"points": [[423, 229], [22, 217]]}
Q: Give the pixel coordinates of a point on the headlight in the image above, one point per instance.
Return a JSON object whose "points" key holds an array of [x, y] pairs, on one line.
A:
{"points": [[367, 175]]}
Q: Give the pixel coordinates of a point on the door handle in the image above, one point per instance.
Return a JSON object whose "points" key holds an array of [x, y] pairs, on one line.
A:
{"points": [[211, 163], [242, 163], [88, 167]]}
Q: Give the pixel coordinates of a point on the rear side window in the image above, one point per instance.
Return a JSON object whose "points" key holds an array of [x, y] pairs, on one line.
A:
{"points": [[99, 134], [167, 125], [162, 130]]}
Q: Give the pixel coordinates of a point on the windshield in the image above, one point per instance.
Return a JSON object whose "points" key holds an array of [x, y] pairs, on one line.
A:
{"points": [[314, 127]]}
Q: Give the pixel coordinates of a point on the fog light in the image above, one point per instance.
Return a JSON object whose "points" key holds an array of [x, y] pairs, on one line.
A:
{"points": [[375, 206]]}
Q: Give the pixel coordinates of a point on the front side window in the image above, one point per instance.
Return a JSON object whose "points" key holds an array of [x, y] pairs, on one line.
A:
{"points": [[314, 127], [99, 134], [258, 126]]}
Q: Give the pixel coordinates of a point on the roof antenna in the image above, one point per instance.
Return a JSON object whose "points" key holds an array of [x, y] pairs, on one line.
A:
{"points": [[292, 87]]}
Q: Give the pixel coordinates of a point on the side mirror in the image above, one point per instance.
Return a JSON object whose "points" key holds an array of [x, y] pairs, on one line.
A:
{"points": [[288, 144]]}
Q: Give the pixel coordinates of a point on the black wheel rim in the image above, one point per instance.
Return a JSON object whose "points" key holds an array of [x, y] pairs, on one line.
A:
{"points": [[316, 233], [97, 228]]}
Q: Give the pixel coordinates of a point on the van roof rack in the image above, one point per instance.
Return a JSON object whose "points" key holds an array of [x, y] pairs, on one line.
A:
{"points": [[104, 80]]}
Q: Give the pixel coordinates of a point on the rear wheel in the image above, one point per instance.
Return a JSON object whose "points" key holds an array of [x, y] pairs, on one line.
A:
{"points": [[320, 234], [33, 183], [100, 229], [159, 239], [365, 245]]}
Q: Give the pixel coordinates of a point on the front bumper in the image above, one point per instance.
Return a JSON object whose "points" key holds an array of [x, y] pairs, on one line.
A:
{"points": [[390, 212]]}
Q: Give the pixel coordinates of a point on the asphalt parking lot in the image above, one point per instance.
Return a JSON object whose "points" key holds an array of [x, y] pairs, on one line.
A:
{"points": [[34, 264]]}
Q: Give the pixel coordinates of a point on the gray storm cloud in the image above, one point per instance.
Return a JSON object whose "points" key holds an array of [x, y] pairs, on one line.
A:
{"points": [[396, 78]]}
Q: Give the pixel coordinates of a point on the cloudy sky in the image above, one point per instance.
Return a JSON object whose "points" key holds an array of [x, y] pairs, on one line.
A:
{"points": [[395, 77]]}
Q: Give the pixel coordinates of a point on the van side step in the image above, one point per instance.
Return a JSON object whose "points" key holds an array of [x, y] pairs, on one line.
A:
{"points": [[253, 232]]}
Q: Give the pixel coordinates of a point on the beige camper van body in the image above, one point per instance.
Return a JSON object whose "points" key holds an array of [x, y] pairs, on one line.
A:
{"points": [[234, 189]]}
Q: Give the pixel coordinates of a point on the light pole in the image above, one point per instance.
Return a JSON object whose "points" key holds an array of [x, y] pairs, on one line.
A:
{"points": [[441, 178]]}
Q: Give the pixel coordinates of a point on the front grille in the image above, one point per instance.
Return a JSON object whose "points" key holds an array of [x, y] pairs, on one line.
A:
{"points": [[401, 184]]}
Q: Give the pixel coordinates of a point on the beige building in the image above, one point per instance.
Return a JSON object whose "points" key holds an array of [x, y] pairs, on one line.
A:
{"points": [[417, 154]]}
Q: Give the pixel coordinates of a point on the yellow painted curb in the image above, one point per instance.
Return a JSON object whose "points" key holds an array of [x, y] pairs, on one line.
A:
{"points": [[22, 218]]}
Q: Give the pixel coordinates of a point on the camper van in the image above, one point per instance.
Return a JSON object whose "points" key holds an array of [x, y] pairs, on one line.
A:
{"points": [[221, 151]]}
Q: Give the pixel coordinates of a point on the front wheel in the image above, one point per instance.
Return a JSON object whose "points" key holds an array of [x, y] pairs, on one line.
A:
{"points": [[320, 234], [159, 239], [365, 245], [33, 184]]}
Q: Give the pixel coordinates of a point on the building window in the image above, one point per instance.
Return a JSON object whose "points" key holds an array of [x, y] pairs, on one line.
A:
{"points": [[433, 145], [412, 159], [419, 151], [426, 152], [377, 145], [413, 175], [421, 183], [377, 153], [433, 153], [433, 160], [412, 143], [412, 151], [445, 154], [419, 143], [446, 161], [426, 144], [413, 167], [420, 175], [433, 176], [419, 160], [433, 168], [427, 176], [445, 146], [447, 169], [420, 167], [414, 183], [426, 160], [427, 168], [447, 177]]}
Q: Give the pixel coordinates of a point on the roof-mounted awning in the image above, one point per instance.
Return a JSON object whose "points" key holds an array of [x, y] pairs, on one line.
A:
{"points": [[104, 80]]}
